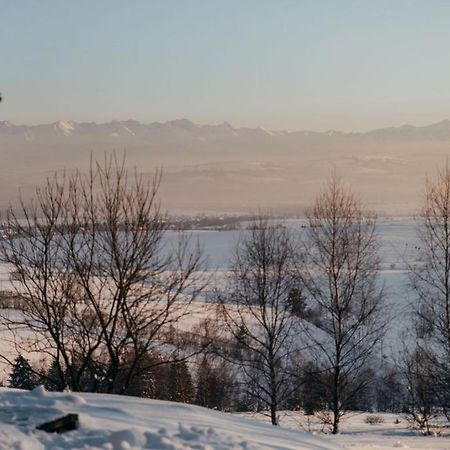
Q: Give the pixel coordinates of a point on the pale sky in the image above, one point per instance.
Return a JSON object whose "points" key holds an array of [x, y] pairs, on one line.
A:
{"points": [[347, 65]]}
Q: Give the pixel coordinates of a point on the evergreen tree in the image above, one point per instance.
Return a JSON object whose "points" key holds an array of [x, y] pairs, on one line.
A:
{"points": [[213, 386], [308, 393], [203, 394], [54, 380], [180, 387], [22, 375], [149, 379]]}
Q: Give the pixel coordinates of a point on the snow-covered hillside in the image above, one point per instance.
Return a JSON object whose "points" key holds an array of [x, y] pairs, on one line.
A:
{"points": [[114, 422]]}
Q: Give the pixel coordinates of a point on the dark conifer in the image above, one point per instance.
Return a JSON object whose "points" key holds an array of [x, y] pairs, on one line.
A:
{"points": [[180, 387], [22, 375]]}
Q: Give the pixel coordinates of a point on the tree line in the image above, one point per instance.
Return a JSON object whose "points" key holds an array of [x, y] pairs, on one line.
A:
{"points": [[298, 320]]}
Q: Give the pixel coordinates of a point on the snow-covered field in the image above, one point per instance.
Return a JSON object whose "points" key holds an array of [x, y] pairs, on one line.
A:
{"points": [[397, 236], [356, 434], [398, 242]]}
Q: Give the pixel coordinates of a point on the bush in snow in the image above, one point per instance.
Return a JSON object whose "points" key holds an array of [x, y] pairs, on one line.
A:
{"points": [[373, 419]]}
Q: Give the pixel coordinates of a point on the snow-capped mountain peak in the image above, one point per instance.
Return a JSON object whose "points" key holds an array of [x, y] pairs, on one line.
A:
{"points": [[65, 127]]}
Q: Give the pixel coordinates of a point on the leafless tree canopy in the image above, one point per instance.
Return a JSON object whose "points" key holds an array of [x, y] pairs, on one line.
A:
{"points": [[430, 279], [101, 292], [431, 276], [340, 277], [257, 312]]}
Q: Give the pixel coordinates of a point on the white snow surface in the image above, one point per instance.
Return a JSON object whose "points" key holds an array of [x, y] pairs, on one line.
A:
{"points": [[113, 422], [356, 434]]}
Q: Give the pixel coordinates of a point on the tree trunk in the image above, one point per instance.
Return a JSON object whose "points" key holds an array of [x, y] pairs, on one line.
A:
{"points": [[335, 429], [336, 399], [273, 414]]}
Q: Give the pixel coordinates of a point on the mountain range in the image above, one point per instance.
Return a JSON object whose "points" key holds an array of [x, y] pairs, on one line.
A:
{"points": [[221, 168], [132, 129]]}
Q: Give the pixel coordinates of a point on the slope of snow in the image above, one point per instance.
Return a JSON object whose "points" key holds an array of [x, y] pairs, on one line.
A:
{"points": [[113, 422]]}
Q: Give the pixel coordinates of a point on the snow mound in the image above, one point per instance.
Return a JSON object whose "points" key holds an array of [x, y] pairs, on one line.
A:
{"points": [[112, 422], [12, 438]]}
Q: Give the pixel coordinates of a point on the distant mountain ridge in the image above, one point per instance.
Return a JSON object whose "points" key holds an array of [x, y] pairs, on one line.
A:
{"points": [[138, 130], [126, 128], [221, 168]]}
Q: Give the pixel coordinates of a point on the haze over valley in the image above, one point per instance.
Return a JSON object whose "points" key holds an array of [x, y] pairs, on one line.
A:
{"points": [[225, 169]]}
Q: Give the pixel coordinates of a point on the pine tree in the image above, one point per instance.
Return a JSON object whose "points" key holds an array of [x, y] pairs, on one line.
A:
{"points": [[213, 386], [180, 386], [149, 375], [203, 393], [22, 375], [54, 380]]}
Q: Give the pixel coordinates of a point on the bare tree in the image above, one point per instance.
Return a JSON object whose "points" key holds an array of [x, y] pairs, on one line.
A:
{"points": [[340, 278], [431, 276], [102, 294], [420, 403], [430, 279], [257, 312]]}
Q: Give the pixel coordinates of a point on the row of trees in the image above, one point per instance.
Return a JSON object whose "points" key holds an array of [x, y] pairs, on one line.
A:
{"points": [[299, 320], [173, 381], [317, 301], [102, 294]]}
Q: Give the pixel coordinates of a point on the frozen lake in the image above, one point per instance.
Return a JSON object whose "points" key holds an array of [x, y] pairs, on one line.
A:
{"points": [[397, 238]]}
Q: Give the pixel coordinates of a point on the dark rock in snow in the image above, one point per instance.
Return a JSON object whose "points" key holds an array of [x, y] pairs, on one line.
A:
{"points": [[62, 424]]}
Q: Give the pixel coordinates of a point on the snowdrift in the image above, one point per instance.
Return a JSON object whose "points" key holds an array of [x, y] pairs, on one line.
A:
{"points": [[114, 422]]}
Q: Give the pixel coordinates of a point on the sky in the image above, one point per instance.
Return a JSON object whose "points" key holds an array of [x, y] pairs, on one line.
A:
{"points": [[280, 64]]}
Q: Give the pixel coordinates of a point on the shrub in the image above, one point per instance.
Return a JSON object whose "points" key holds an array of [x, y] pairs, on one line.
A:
{"points": [[373, 419]]}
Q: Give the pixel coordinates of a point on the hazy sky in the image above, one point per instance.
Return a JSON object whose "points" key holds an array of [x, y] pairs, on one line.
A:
{"points": [[349, 65]]}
